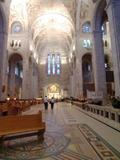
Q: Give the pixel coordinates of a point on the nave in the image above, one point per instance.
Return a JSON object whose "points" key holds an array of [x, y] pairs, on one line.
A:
{"points": [[70, 135]]}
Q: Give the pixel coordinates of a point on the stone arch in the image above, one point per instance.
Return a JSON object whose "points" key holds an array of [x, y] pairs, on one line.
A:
{"points": [[87, 57], [98, 50], [87, 72], [15, 72], [16, 56], [99, 20], [98, 15]]}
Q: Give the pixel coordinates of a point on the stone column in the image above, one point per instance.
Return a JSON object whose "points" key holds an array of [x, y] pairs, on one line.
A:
{"points": [[113, 11], [35, 83], [74, 84], [12, 79], [77, 82], [3, 65], [31, 79], [70, 85], [26, 79], [79, 78], [79, 75], [98, 64]]}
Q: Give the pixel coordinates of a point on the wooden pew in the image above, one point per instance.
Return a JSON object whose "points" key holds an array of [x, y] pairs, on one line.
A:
{"points": [[21, 126], [16, 106], [3, 108]]}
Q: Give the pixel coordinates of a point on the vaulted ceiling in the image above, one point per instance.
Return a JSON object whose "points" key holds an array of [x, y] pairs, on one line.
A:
{"points": [[49, 23]]}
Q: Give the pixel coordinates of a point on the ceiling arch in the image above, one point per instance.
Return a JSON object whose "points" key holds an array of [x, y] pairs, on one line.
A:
{"points": [[50, 23]]}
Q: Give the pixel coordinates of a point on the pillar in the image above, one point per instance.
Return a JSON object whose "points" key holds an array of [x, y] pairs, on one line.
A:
{"points": [[12, 79], [26, 79], [31, 79], [113, 11], [98, 64], [78, 69], [79, 78], [35, 83], [3, 65]]}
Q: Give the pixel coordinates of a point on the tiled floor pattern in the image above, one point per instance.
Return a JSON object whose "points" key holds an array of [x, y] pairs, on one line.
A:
{"points": [[30, 148], [104, 150], [66, 138]]}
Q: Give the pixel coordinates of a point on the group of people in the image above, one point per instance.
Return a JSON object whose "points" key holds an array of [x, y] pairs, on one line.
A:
{"points": [[46, 102]]}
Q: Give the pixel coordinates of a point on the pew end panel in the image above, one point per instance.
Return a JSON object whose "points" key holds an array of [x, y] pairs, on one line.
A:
{"points": [[21, 126]]}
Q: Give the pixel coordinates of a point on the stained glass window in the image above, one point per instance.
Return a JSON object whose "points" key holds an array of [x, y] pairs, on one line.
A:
{"points": [[49, 65], [86, 27], [53, 64], [87, 43], [21, 74], [58, 64], [16, 27], [17, 71], [104, 29]]}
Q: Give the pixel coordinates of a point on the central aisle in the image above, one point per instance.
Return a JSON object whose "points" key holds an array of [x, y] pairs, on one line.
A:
{"points": [[88, 137], [70, 135]]}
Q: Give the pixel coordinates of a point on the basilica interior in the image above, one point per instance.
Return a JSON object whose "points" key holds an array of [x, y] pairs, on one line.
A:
{"points": [[68, 50]]}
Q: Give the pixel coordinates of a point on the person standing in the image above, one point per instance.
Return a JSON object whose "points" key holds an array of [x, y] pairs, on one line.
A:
{"points": [[46, 102], [52, 101]]}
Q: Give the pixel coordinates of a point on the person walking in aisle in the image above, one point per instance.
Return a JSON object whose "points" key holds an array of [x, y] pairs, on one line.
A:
{"points": [[52, 101], [46, 102]]}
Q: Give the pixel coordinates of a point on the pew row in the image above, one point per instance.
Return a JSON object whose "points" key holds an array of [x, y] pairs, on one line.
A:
{"points": [[21, 126], [15, 107]]}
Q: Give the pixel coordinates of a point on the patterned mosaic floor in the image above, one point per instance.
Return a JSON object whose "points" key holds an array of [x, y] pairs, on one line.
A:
{"points": [[65, 139]]}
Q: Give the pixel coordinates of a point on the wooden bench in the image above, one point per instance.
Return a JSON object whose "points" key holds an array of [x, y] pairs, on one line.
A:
{"points": [[21, 126], [3, 108]]}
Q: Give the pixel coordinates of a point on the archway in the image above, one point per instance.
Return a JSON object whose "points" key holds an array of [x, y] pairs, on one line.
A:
{"points": [[15, 75], [87, 71], [104, 79]]}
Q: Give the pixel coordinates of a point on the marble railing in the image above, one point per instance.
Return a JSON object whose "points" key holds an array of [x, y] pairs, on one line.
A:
{"points": [[105, 111]]}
